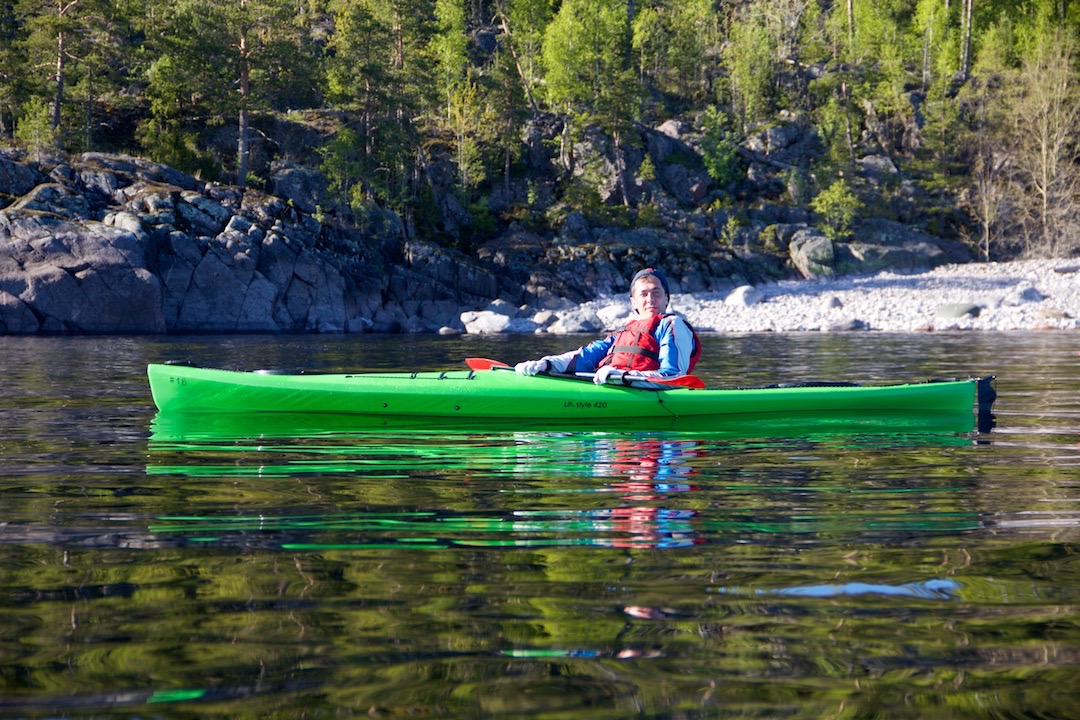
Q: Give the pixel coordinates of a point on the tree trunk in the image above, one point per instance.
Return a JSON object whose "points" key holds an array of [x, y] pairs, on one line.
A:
{"points": [[851, 25], [244, 121], [505, 23], [620, 169], [928, 40], [58, 99], [965, 42]]}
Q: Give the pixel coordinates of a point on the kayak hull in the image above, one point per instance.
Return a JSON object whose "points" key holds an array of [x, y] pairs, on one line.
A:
{"points": [[505, 395]]}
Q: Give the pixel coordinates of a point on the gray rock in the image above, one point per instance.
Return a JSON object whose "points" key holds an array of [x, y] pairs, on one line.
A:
{"points": [[955, 311], [129, 170], [16, 317], [386, 321], [812, 254], [536, 136], [202, 215], [305, 188], [56, 199], [484, 322], [880, 244], [575, 228], [1053, 313], [878, 167], [1022, 295], [16, 178], [689, 187], [830, 302], [614, 316], [575, 324], [744, 296], [76, 277], [846, 325], [522, 326], [544, 318], [503, 307]]}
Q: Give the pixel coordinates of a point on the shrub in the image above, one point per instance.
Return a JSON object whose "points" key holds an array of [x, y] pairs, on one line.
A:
{"points": [[34, 130], [837, 206], [719, 148]]}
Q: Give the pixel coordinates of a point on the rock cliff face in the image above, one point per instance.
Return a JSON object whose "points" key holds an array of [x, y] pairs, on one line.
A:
{"points": [[115, 244], [110, 244]]}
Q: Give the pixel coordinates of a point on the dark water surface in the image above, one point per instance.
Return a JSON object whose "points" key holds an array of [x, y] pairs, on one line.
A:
{"points": [[305, 570]]}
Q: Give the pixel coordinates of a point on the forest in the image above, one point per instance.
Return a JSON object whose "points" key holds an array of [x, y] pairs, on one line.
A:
{"points": [[977, 100]]}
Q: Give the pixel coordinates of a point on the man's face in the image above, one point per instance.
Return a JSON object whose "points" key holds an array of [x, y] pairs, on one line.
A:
{"points": [[647, 297]]}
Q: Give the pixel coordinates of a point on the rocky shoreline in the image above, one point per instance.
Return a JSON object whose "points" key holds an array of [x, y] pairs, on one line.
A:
{"points": [[116, 244], [1015, 296]]}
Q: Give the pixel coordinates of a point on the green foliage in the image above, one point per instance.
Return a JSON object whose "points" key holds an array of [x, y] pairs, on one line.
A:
{"points": [[648, 215], [35, 130], [165, 141], [768, 238], [472, 120], [397, 86], [583, 196], [449, 48], [586, 55], [672, 43], [799, 185], [719, 147], [837, 205], [483, 222], [647, 171], [729, 235], [750, 56], [835, 119]]}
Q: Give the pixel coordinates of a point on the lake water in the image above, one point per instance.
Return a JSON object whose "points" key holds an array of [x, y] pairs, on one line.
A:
{"points": [[311, 571]]}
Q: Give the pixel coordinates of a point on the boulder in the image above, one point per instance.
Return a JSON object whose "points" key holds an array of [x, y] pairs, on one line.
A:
{"points": [[484, 322], [303, 187], [878, 167], [576, 323], [16, 178], [954, 311], [55, 199], [689, 187], [812, 253], [1023, 294], [880, 244], [744, 296]]}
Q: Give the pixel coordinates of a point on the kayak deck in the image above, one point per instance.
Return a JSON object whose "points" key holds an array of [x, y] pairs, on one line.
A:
{"points": [[494, 395]]}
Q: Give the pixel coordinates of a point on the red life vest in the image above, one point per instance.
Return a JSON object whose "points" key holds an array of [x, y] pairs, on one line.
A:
{"points": [[636, 347]]}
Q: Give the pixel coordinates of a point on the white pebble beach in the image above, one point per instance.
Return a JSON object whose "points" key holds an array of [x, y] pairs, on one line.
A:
{"points": [[1020, 295]]}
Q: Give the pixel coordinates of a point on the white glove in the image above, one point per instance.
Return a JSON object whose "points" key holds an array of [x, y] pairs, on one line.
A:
{"points": [[607, 374], [532, 367]]}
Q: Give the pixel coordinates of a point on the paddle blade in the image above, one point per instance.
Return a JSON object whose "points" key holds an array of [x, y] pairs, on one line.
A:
{"points": [[687, 381], [484, 364]]}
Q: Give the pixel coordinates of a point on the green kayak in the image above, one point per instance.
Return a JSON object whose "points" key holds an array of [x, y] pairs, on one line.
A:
{"points": [[501, 394]]}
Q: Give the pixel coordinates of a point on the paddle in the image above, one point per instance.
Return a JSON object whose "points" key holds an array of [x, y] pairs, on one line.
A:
{"points": [[687, 381]]}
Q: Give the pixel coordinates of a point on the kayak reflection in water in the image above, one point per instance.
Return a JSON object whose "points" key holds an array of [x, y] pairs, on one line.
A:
{"points": [[654, 343], [644, 472], [653, 467]]}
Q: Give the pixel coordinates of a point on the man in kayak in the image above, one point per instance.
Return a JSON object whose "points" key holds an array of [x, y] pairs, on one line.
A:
{"points": [[653, 344]]}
